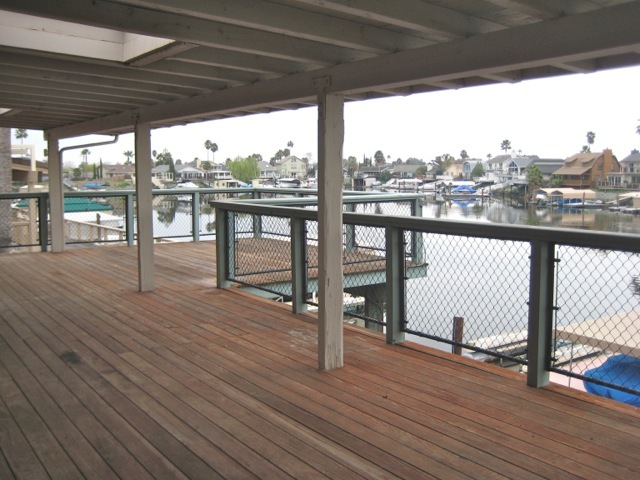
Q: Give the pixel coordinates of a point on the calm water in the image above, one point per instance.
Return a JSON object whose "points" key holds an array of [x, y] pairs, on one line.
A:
{"points": [[498, 212]]}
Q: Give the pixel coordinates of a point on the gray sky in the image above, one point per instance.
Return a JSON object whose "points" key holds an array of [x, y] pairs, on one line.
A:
{"points": [[548, 118]]}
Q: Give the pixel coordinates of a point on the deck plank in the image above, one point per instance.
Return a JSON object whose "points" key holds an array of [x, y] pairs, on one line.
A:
{"points": [[100, 381]]}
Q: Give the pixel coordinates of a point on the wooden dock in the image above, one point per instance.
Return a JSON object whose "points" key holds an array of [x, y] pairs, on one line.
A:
{"points": [[99, 381]]}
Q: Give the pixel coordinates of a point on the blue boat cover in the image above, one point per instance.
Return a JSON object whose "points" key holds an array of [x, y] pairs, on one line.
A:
{"points": [[620, 370], [463, 189]]}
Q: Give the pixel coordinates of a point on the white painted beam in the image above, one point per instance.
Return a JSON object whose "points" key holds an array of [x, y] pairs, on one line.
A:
{"points": [[144, 207], [330, 279], [56, 196]]}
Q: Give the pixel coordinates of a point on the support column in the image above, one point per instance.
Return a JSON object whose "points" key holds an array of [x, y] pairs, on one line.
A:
{"points": [[56, 196], [144, 207], [330, 141]]}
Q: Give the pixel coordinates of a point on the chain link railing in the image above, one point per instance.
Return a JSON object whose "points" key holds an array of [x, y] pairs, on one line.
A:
{"points": [[545, 301], [597, 318]]}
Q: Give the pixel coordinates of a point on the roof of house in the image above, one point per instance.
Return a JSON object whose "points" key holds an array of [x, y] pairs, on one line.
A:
{"points": [[578, 164], [632, 158]]}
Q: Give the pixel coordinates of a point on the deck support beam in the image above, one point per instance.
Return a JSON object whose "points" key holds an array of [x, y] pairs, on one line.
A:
{"points": [[330, 288], [144, 207], [56, 196]]}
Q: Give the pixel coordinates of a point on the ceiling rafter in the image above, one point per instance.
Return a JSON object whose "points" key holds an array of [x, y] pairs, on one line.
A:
{"points": [[293, 22], [415, 15]]}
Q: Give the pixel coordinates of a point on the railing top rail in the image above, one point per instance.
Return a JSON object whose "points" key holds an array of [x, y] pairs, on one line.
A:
{"points": [[579, 238], [16, 195], [350, 199]]}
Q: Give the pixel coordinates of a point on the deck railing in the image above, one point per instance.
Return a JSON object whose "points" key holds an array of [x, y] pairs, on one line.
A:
{"points": [[547, 301], [179, 214]]}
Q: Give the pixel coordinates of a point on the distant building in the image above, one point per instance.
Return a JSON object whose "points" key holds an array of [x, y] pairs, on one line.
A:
{"points": [[586, 170], [405, 171], [118, 171], [292, 166], [163, 173], [468, 166], [454, 172], [630, 170]]}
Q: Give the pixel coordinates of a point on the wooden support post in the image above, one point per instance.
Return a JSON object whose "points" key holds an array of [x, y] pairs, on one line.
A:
{"points": [[56, 197], [540, 313], [330, 280], [458, 335], [144, 207]]}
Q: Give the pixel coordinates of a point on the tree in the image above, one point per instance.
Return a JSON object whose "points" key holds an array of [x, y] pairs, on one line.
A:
{"points": [[244, 169], [85, 155], [210, 146], [464, 155], [585, 149], [422, 170], [478, 170], [556, 181], [352, 165], [21, 134], [505, 146], [290, 144], [441, 163], [206, 165], [379, 158], [591, 137], [534, 179], [128, 154], [638, 128]]}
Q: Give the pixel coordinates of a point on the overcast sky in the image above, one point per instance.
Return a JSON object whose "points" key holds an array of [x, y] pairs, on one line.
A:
{"points": [[549, 118]]}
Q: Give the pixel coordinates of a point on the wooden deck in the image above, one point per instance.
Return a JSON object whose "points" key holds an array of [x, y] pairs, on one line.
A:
{"points": [[99, 381]]}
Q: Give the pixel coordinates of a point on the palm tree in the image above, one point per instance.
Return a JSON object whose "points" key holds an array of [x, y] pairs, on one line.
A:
{"points": [[290, 144], [85, 155], [590, 139], [128, 154], [505, 145], [21, 134], [638, 128], [209, 145], [464, 155]]}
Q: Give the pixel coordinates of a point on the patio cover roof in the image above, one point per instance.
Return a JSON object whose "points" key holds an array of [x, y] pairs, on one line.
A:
{"points": [[90, 66]]}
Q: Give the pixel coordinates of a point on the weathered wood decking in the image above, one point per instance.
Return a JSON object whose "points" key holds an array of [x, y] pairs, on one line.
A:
{"points": [[99, 381]]}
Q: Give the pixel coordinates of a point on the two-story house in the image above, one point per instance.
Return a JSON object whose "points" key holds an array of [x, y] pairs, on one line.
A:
{"points": [[585, 170], [630, 170], [292, 166]]}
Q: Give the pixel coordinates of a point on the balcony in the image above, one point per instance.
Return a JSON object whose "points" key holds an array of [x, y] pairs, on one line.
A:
{"points": [[190, 381]]}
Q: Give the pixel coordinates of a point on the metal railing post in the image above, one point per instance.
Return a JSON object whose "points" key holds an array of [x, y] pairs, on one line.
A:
{"points": [[225, 247], [298, 265], [129, 220], [195, 216], [395, 284], [43, 221], [417, 238], [350, 231], [540, 312]]}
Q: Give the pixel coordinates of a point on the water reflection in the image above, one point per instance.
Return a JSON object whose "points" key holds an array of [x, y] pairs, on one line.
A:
{"points": [[498, 212]]}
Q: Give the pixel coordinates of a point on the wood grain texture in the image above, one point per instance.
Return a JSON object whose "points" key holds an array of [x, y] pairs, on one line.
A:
{"points": [[98, 380]]}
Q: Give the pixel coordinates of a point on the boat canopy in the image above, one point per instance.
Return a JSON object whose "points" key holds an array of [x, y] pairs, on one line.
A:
{"points": [[620, 369], [464, 189]]}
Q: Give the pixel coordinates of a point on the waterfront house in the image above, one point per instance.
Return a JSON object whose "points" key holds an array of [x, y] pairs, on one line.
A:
{"points": [[586, 170], [188, 172], [293, 167], [468, 166], [117, 171], [454, 172], [630, 170], [162, 173]]}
